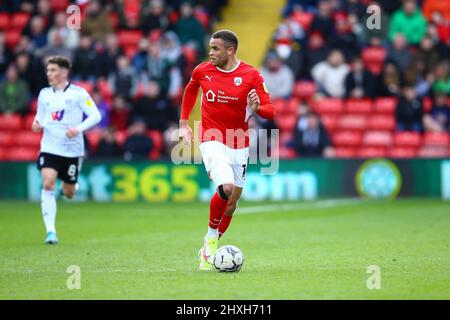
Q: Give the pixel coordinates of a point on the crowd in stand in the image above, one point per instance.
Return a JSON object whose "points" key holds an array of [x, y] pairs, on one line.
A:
{"points": [[348, 53]]}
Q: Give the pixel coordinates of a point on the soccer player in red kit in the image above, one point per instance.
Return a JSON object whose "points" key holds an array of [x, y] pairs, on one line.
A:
{"points": [[231, 91]]}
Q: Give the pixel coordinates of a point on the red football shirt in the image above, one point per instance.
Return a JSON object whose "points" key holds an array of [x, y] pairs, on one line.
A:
{"points": [[224, 101]]}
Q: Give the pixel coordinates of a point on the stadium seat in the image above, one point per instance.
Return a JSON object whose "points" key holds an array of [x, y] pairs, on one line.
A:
{"points": [[129, 38], [373, 58], [130, 51], [86, 85], [371, 152], [407, 139], [303, 18], [291, 106], [347, 138], [29, 118], [286, 122], [330, 122], [427, 104], [3, 154], [280, 106], [93, 137], [402, 152], [12, 38], [358, 106], [121, 136], [158, 143], [202, 17], [328, 106], [19, 20], [114, 20], [4, 21], [304, 89], [105, 89], [10, 122], [6, 138], [287, 153], [59, 5], [433, 152], [385, 105], [352, 122], [377, 138], [436, 139], [190, 54], [285, 137], [33, 105], [343, 152], [22, 154], [27, 139], [381, 122]]}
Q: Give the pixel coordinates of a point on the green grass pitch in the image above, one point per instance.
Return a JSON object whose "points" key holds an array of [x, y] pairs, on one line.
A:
{"points": [[314, 250]]}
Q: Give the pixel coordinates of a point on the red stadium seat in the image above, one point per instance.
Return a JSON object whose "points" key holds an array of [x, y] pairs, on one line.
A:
{"points": [[381, 122], [33, 105], [373, 58], [328, 106], [371, 152], [285, 137], [343, 152], [29, 118], [4, 21], [59, 5], [286, 122], [347, 138], [433, 152], [93, 137], [291, 106], [157, 138], [385, 105], [330, 122], [10, 122], [86, 85], [287, 153], [408, 139], [202, 17], [19, 20], [280, 106], [304, 89], [377, 138], [12, 38], [303, 18], [402, 152], [104, 89], [114, 20], [360, 106], [27, 139], [22, 154], [121, 136], [6, 138], [427, 104], [190, 54], [3, 154], [436, 139], [352, 122], [129, 38]]}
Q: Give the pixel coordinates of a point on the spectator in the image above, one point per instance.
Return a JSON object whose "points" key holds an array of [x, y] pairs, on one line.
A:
{"points": [[154, 17], [279, 79], [14, 93], [69, 36], [399, 52], [330, 75], [189, 29], [359, 83], [56, 48], [140, 58], [6, 55], [171, 49], [316, 52], [323, 22], [137, 146], [154, 107], [96, 23], [108, 148], [111, 53], [344, 39], [389, 81], [408, 21], [409, 110], [438, 120], [103, 107], [311, 138], [157, 67], [38, 34], [442, 75], [86, 61], [24, 71], [430, 7], [427, 56], [123, 81], [118, 117]]}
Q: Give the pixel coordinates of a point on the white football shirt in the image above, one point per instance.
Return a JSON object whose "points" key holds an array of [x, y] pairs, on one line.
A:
{"points": [[59, 110]]}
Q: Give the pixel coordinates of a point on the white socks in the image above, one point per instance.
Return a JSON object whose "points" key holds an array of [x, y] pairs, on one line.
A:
{"points": [[212, 233], [48, 206]]}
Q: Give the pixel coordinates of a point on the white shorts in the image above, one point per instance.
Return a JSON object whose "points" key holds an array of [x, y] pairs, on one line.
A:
{"points": [[223, 164]]}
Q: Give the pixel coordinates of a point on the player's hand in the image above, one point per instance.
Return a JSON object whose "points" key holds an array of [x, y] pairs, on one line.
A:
{"points": [[185, 132], [36, 126], [72, 132], [253, 100]]}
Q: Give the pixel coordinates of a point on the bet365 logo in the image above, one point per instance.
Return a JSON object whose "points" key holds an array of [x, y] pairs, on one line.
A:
{"points": [[57, 115]]}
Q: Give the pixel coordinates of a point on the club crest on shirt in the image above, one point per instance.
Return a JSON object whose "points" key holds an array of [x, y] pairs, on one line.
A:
{"points": [[237, 81]]}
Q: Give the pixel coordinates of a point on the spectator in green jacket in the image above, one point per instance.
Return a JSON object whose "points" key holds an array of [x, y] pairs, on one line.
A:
{"points": [[14, 93], [410, 22]]}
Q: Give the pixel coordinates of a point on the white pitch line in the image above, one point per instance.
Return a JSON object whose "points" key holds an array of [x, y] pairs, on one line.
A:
{"points": [[295, 206]]}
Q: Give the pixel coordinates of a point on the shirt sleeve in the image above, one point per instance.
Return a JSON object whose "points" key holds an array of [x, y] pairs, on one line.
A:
{"points": [[266, 108], [40, 112], [87, 105], [190, 94]]}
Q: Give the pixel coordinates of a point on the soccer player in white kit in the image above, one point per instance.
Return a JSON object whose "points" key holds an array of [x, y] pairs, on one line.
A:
{"points": [[60, 115]]}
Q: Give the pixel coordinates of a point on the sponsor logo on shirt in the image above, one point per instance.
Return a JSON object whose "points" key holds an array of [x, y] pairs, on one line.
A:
{"points": [[57, 115]]}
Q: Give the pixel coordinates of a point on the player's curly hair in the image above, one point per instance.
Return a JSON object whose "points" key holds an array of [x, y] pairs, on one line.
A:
{"points": [[228, 36], [61, 61]]}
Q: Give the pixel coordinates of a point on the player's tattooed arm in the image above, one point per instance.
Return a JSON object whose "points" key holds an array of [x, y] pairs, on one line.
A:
{"points": [[185, 131], [36, 126], [253, 100]]}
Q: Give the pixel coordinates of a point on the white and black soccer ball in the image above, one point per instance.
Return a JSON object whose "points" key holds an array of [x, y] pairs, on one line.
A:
{"points": [[228, 259]]}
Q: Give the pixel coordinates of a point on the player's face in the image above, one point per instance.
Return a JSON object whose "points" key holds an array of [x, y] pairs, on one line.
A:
{"points": [[218, 53], [55, 74]]}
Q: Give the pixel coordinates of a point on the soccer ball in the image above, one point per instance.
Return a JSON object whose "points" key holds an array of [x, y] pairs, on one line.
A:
{"points": [[228, 259]]}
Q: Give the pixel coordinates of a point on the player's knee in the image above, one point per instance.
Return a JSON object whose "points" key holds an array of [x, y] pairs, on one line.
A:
{"points": [[225, 191], [48, 184]]}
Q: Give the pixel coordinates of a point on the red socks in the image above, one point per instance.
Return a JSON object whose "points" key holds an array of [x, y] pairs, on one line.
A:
{"points": [[224, 223], [216, 210]]}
